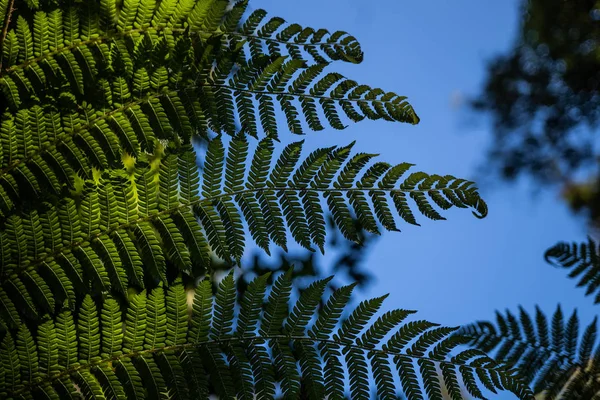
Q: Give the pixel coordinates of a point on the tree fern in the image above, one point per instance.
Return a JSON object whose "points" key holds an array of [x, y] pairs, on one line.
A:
{"points": [[102, 197], [130, 229], [581, 260], [134, 351], [552, 356]]}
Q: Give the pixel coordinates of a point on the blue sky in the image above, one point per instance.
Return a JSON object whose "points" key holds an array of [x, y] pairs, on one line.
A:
{"points": [[434, 52]]}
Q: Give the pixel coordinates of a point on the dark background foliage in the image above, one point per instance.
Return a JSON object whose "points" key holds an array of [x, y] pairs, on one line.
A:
{"points": [[543, 99]]}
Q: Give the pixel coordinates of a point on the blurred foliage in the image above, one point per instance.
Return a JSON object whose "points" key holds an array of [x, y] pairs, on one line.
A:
{"points": [[543, 98], [584, 198], [542, 95]]}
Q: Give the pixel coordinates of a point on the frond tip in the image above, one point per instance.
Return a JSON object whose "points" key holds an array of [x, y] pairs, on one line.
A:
{"points": [[273, 192], [154, 346], [552, 358]]}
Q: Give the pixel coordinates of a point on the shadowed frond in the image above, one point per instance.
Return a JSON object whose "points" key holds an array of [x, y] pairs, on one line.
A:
{"points": [[581, 259], [308, 97], [274, 192], [154, 346], [553, 358], [129, 229]]}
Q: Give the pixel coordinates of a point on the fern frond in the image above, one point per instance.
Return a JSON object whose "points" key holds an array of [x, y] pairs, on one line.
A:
{"points": [[120, 224], [100, 197], [291, 192], [554, 360], [303, 94], [581, 259], [136, 352], [44, 147]]}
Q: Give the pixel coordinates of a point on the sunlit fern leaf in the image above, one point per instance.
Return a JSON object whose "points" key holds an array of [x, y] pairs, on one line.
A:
{"points": [[155, 343], [554, 360], [135, 85], [581, 259], [87, 330]]}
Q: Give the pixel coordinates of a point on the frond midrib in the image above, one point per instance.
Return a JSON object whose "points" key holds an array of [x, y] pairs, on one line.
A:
{"points": [[312, 96], [208, 201], [532, 346], [10, 9], [268, 39]]}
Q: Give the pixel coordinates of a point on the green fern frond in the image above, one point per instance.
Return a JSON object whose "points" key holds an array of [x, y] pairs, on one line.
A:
{"points": [[552, 358], [131, 230], [153, 346], [307, 96], [214, 17], [101, 196], [581, 259]]}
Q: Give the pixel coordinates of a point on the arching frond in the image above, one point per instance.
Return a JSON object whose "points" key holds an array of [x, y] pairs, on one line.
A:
{"points": [[129, 230], [154, 345], [307, 96], [552, 357], [581, 259]]}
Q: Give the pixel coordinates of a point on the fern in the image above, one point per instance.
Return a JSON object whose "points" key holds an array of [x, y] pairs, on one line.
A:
{"points": [[101, 198], [552, 358], [154, 346], [130, 228], [582, 261], [90, 88]]}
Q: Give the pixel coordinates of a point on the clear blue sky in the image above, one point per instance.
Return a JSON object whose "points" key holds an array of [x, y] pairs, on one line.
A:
{"points": [[462, 269]]}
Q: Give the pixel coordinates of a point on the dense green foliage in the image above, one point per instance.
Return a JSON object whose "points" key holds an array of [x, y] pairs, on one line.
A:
{"points": [[106, 215], [154, 348]]}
